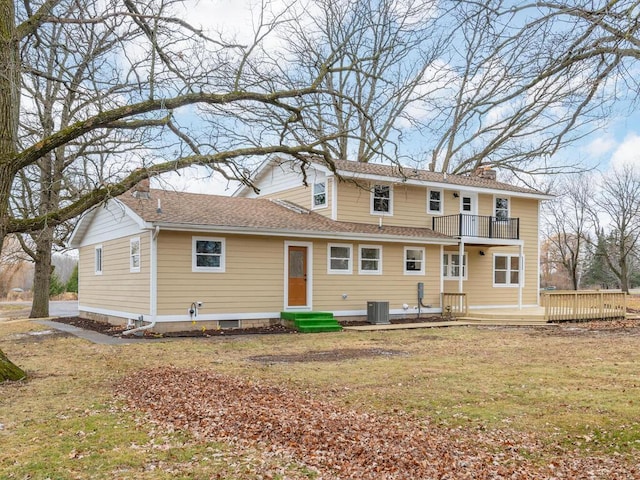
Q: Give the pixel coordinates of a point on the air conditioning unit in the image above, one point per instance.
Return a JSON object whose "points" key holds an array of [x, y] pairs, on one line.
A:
{"points": [[378, 313]]}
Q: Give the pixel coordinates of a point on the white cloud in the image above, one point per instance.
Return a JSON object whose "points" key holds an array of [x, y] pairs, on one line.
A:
{"points": [[195, 180], [627, 153], [600, 146]]}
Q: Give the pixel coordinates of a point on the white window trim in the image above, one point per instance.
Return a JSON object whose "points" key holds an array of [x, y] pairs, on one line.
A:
{"points": [[95, 259], [521, 271], [373, 190], [349, 270], [370, 272], [313, 195], [422, 262], [435, 212], [464, 266], [508, 199], [221, 268], [133, 269]]}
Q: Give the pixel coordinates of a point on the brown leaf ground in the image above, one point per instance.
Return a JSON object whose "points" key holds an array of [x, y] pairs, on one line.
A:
{"points": [[341, 443]]}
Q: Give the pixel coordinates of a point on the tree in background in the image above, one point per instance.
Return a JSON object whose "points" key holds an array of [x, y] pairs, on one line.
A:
{"points": [[617, 204], [72, 283], [597, 272], [567, 223]]}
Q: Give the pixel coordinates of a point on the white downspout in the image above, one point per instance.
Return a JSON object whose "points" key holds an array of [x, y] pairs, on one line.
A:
{"points": [[153, 286]]}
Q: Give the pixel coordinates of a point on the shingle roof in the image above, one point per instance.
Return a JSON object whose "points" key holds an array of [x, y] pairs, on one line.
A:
{"points": [[408, 173], [264, 215]]}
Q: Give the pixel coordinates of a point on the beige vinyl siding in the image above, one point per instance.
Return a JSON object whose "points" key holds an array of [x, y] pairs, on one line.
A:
{"points": [[117, 288], [409, 205], [254, 278], [252, 282], [392, 286], [479, 285], [302, 196]]}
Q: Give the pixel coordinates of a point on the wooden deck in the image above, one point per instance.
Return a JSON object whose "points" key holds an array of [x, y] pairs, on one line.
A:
{"points": [[506, 316]]}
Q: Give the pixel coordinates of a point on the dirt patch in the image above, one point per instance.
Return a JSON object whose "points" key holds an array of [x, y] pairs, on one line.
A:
{"points": [[599, 328], [328, 355], [38, 336], [116, 331]]}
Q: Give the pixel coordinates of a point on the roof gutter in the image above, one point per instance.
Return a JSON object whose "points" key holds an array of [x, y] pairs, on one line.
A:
{"points": [[301, 233], [444, 185]]}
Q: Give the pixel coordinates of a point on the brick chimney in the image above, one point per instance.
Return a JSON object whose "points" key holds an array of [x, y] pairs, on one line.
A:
{"points": [[142, 188], [485, 171]]}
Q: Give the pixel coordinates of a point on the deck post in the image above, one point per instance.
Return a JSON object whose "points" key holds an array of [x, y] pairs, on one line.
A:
{"points": [[461, 264], [520, 279], [441, 279]]}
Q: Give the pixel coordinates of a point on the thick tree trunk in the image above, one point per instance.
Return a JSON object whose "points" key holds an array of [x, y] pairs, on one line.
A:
{"points": [[9, 371], [42, 275], [9, 106]]}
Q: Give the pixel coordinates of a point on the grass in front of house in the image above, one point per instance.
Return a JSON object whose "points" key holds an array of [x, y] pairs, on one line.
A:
{"points": [[571, 388]]}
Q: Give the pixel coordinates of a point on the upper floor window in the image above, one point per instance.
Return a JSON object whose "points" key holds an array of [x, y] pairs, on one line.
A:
{"points": [[413, 261], [434, 201], [451, 266], [208, 254], [370, 259], [134, 254], [506, 270], [381, 200], [501, 209], [467, 205], [98, 260], [319, 194], [340, 256]]}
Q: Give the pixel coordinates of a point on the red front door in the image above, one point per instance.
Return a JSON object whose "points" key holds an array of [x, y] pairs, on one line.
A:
{"points": [[297, 276]]}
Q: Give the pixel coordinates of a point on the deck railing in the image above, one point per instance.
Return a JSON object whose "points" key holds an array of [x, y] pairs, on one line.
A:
{"points": [[464, 225], [583, 305], [454, 305]]}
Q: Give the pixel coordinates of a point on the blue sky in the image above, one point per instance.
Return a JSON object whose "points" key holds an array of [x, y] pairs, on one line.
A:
{"points": [[616, 142]]}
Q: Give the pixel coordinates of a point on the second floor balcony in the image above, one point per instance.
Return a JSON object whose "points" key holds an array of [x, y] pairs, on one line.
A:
{"points": [[482, 226]]}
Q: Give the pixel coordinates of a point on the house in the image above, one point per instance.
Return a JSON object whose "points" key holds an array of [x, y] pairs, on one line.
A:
{"points": [[314, 239]]}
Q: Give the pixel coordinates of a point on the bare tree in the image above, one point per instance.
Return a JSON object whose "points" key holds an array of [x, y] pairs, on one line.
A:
{"points": [[568, 225], [585, 50], [617, 205], [159, 66], [509, 104], [388, 47]]}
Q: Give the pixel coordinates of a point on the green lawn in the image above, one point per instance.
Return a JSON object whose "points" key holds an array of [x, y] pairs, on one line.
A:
{"points": [[571, 389]]}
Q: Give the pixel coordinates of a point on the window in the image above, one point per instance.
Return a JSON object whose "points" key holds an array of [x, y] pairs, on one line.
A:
{"points": [[451, 265], [466, 205], [434, 201], [506, 270], [319, 194], [339, 258], [413, 261], [501, 208], [381, 201], [134, 254], [208, 254], [98, 260], [370, 259]]}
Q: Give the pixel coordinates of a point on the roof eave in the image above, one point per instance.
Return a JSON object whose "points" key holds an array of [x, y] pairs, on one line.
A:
{"points": [[277, 232], [443, 185]]}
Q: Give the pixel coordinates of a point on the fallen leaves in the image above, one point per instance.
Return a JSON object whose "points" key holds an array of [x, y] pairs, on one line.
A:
{"points": [[339, 443]]}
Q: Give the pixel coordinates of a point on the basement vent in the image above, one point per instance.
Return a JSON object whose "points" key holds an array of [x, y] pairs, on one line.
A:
{"points": [[229, 323]]}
